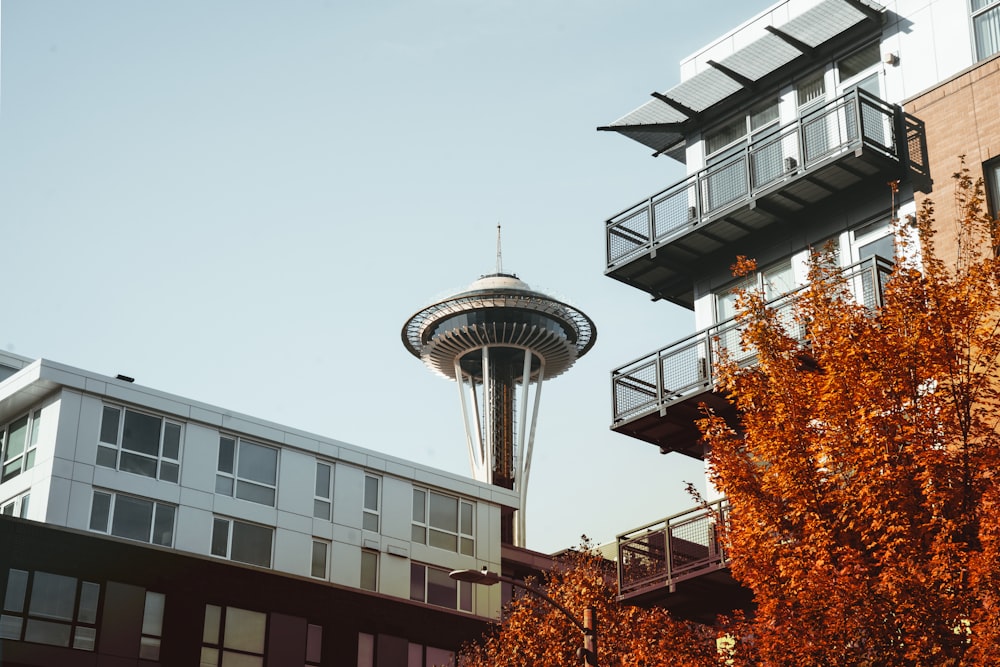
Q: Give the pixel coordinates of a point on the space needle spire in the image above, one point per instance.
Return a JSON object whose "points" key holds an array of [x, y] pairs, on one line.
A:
{"points": [[499, 340]]}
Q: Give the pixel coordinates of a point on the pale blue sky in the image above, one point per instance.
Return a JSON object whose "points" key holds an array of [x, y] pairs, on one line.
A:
{"points": [[242, 202]]}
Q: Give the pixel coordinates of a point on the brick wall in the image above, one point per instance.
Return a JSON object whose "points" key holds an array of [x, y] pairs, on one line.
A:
{"points": [[961, 117]]}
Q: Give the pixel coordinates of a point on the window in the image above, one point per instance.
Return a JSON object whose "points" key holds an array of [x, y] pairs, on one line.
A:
{"points": [[320, 557], [428, 656], [152, 626], [233, 636], [443, 521], [434, 586], [763, 116], [810, 90], [48, 608], [139, 443], [323, 501], [986, 27], [314, 644], [18, 441], [858, 62], [243, 542], [247, 470], [132, 518], [991, 175], [369, 570], [370, 515], [17, 506]]}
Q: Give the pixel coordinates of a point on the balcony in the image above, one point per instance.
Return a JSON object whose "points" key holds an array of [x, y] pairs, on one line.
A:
{"points": [[660, 242], [680, 563], [657, 397]]}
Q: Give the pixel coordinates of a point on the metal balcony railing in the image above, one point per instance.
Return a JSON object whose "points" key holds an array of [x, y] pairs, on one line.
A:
{"points": [[666, 552], [856, 120], [687, 367]]}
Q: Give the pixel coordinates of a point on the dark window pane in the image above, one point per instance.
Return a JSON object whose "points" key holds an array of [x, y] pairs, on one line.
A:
{"points": [[99, 509], [132, 518], [16, 437], [436, 538], [258, 463], [224, 485], [85, 639], [322, 480], [418, 534], [251, 544], [444, 512], [314, 643], [220, 537], [468, 547], [464, 596], [53, 596], [441, 588], [318, 568], [138, 464], [89, 594], [369, 570], [109, 425], [107, 457], [227, 451], [171, 440], [466, 519], [419, 506], [371, 493], [163, 525], [169, 472], [369, 521], [142, 433], [254, 493], [43, 632], [417, 581], [321, 509], [17, 585], [10, 627]]}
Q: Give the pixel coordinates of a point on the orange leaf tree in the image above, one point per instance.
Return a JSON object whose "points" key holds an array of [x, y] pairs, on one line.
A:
{"points": [[535, 633], [865, 507]]}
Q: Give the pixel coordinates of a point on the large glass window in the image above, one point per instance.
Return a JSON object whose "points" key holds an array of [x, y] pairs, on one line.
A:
{"points": [[443, 521], [139, 443], [243, 542], [434, 586], [132, 518], [986, 27], [18, 441], [152, 626], [48, 608], [247, 470], [372, 503]]}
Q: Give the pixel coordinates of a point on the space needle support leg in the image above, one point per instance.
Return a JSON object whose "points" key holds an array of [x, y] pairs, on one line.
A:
{"points": [[488, 415], [471, 439]]}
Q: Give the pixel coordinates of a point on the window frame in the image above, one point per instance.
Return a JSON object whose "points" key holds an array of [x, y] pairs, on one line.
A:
{"points": [[18, 505], [988, 7], [233, 477], [323, 498], [81, 624], [326, 547], [25, 458], [167, 468], [371, 517], [113, 504], [371, 556], [422, 527]]}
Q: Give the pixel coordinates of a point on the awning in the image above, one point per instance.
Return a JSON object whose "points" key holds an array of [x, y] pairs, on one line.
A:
{"points": [[662, 122]]}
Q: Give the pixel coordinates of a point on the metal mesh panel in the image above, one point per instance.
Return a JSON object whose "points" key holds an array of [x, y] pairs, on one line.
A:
{"points": [[815, 138], [635, 390], [766, 163], [725, 183], [692, 543], [675, 209], [684, 368], [643, 559], [628, 235], [876, 127]]}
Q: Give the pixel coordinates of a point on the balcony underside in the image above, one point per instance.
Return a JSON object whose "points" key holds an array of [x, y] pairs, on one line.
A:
{"points": [[665, 271], [701, 599], [672, 428]]}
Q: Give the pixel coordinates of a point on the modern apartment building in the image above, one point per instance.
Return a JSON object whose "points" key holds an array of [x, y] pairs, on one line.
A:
{"points": [[790, 126], [142, 528]]}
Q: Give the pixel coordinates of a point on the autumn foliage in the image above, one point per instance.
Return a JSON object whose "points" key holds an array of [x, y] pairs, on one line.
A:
{"points": [[863, 477], [535, 633]]}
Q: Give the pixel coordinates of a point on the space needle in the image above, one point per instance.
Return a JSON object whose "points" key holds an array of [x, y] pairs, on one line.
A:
{"points": [[499, 340]]}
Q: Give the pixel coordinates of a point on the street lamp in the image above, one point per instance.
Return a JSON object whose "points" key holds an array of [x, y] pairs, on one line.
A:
{"points": [[588, 627]]}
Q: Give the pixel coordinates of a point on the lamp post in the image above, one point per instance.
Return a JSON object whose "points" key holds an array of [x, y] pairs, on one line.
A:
{"points": [[588, 627]]}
